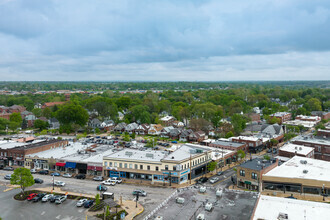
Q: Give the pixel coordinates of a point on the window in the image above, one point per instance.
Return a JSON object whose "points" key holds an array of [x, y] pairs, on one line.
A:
{"points": [[130, 166], [254, 176], [115, 164], [242, 172], [110, 164], [105, 164], [174, 168], [166, 167], [188, 165], [157, 168], [185, 166], [319, 148], [125, 165], [135, 166], [141, 167], [148, 167], [120, 165]]}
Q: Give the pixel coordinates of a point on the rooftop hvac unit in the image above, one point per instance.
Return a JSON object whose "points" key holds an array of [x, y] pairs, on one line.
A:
{"points": [[303, 161], [128, 153], [150, 155], [192, 151], [282, 216], [305, 171], [199, 151], [300, 148], [296, 148]]}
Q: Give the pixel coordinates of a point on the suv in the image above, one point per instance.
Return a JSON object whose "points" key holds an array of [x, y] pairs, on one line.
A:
{"points": [[202, 180], [44, 172], [8, 177], [116, 179], [53, 199], [88, 203], [38, 180], [140, 192], [101, 188], [81, 176]]}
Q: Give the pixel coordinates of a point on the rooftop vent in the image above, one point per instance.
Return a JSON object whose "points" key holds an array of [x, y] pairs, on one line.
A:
{"points": [[303, 161], [150, 155], [300, 148], [199, 151], [282, 216], [305, 171], [128, 153]]}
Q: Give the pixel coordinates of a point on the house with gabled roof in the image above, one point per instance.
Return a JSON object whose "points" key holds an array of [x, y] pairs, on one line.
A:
{"points": [[165, 132], [130, 128], [142, 129], [155, 129], [120, 127]]}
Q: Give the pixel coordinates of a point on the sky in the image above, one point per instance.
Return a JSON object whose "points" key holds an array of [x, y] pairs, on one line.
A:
{"points": [[148, 40]]}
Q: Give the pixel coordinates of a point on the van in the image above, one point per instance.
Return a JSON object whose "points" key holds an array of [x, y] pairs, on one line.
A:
{"points": [[179, 200]]}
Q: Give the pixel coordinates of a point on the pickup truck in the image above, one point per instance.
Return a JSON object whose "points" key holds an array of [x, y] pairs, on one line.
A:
{"points": [[116, 179], [109, 182]]}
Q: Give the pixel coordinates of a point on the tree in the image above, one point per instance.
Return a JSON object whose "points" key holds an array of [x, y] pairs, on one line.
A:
{"points": [[97, 199], [314, 104], [29, 104], [133, 135], [107, 212], [37, 112], [229, 134], [40, 124], [266, 157], [22, 177], [274, 142], [3, 124], [47, 113], [211, 166], [241, 154], [16, 117], [72, 114], [238, 122]]}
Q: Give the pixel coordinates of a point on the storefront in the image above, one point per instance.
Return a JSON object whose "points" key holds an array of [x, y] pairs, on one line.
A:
{"points": [[81, 167], [40, 164], [70, 167], [94, 170], [60, 166]]}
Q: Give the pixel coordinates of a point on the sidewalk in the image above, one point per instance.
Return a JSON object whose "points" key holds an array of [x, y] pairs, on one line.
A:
{"points": [[130, 207]]}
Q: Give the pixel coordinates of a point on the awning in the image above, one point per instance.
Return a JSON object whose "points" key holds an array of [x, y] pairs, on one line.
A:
{"points": [[94, 168], [60, 164], [70, 165], [247, 182]]}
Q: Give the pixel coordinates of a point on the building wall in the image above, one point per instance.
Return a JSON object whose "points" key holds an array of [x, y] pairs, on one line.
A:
{"points": [[323, 133], [228, 147], [291, 154], [321, 151]]}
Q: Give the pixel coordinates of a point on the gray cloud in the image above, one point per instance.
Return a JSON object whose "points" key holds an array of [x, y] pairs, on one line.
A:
{"points": [[164, 40]]}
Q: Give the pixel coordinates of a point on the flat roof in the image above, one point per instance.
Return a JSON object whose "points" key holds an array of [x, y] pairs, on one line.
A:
{"points": [[143, 155], [306, 124], [228, 143], [312, 140], [269, 207], [257, 164], [293, 168], [293, 148], [185, 151], [10, 144], [280, 114]]}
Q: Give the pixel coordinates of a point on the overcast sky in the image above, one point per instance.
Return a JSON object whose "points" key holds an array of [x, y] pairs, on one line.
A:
{"points": [[159, 40]]}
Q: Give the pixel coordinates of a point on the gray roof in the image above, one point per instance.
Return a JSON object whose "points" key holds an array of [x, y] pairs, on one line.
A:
{"points": [[256, 164], [228, 143], [271, 129]]}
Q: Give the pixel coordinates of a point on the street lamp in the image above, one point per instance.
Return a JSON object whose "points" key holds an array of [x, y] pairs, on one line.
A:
{"points": [[137, 199]]}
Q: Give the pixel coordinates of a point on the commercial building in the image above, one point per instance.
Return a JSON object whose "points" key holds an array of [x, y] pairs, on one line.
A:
{"points": [[323, 115], [283, 116], [234, 146], [159, 167], [249, 173], [290, 150], [299, 175], [323, 133], [269, 207], [254, 144], [321, 146]]}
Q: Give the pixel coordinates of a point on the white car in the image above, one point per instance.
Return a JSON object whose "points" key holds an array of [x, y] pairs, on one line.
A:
{"points": [[67, 175], [116, 179], [33, 171], [47, 197], [214, 179], [109, 182], [81, 202], [60, 200], [59, 183]]}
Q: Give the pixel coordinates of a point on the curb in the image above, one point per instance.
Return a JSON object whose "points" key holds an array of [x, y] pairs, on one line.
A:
{"points": [[139, 213]]}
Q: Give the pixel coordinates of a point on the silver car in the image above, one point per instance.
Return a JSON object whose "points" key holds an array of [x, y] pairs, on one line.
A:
{"points": [[81, 202], [60, 200], [67, 175], [47, 197], [214, 179]]}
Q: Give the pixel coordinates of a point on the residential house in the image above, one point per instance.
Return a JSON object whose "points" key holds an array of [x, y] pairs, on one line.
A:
{"points": [[155, 129], [197, 136], [30, 120], [120, 127], [53, 123], [184, 136], [108, 125], [283, 116], [175, 133], [130, 128], [95, 123], [274, 131], [142, 129], [167, 120], [51, 104], [178, 124], [165, 132]]}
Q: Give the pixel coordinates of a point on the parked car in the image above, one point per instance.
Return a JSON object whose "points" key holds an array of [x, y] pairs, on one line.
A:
{"points": [[109, 182], [219, 173], [117, 179], [53, 199], [81, 202], [44, 172], [8, 177], [203, 180], [38, 180], [269, 151], [38, 197], [55, 174], [59, 183], [81, 176], [47, 197], [67, 175], [101, 188], [8, 168], [31, 196], [98, 178], [33, 171], [214, 179], [88, 203], [140, 192], [60, 200]]}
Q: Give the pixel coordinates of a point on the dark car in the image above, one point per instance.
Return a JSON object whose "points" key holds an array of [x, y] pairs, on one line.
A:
{"points": [[8, 168], [101, 188], [269, 151], [55, 174], [43, 172], [98, 178], [38, 180], [38, 197], [81, 176], [53, 199], [88, 203], [203, 180]]}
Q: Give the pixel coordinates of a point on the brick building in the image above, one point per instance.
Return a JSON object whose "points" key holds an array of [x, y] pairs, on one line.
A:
{"points": [[229, 145], [291, 150], [254, 144], [321, 146], [323, 115], [323, 133], [249, 174], [283, 116]]}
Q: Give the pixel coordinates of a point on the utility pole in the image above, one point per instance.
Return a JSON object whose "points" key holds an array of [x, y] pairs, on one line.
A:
{"points": [[170, 178], [190, 168]]}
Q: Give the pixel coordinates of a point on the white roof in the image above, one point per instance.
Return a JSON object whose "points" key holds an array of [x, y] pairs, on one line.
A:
{"points": [[166, 118], [60, 152], [292, 148], [10, 144], [217, 153], [306, 124], [130, 154], [279, 114], [269, 207], [281, 158], [306, 117], [293, 168], [185, 151]]}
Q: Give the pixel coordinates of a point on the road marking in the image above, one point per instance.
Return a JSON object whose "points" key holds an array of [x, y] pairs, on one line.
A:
{"points": [[58, 217], [43, 213]]}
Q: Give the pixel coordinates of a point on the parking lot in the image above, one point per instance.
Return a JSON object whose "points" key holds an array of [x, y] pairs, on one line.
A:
{"points": [[12, 209], [231, 205]]}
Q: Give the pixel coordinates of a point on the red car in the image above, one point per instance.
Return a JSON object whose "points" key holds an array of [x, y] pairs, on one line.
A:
{"points": [[31, 196]]}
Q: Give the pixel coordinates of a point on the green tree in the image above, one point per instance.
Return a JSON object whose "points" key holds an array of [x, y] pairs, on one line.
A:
{"points": [[37, 112], [211, 166], [29, 104], [241, 154], [274, 142], [47, 113], [314, 104], [16, 117], [107, 212], [97, 199], [266, 157], [229, 134], [133, 135], [72, 114], [3, 124], [40, 124], [238, 122], [22, 177]]}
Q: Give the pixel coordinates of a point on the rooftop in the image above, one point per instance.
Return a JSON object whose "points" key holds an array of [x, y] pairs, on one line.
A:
{"points": [[279, 114], [227, 143], [130, 154], [295, 167], [10, 144], [257, 164], [270, 207], [312, 139], [293, 148], [185, 151], [306, 124]]}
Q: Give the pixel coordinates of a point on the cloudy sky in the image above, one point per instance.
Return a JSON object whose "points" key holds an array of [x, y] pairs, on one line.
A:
{"points": [[159, 40]]}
